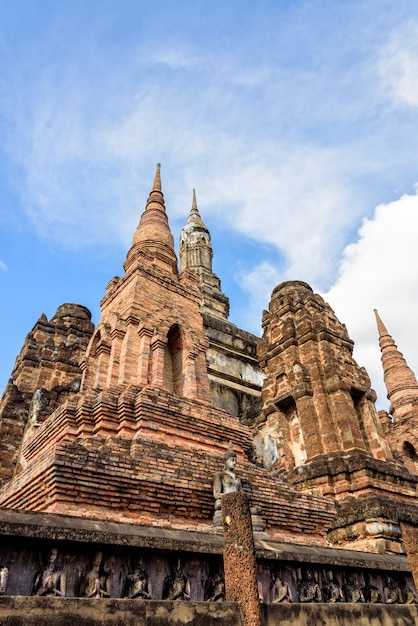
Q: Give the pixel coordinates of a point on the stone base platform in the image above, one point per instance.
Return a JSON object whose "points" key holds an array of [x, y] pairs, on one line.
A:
{"points": [[23, 611]]}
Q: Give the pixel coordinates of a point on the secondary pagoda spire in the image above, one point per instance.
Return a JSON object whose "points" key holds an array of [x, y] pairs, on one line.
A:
{"points": [[196, 254], [153, 234], [400, 380], [194, 217], [195, 246]]}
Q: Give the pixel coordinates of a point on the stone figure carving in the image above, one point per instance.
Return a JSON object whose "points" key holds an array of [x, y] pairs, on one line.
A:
{"points": [[137, 584], [392, 592], [215, 588], [332, 591], [352, 591], [37, 404], [268, 447], [176, 586], [279, 591], [227, 481], [371, 593], [409, 596], [260, 592], [49, 580], [309, 590], [4, 575], [96, 583]]}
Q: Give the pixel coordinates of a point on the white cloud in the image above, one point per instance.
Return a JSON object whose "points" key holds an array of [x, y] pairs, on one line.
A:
{"points": [[398, 65], [175, 58], [3, 266], [380, 271], [83, 161], [290, 198], [84, 144]]}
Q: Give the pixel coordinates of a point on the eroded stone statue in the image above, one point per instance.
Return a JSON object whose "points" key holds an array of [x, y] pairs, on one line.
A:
{"points": [[176, 586], [49, 580], [137, 584], [408, 594], [226, 481], [309, 590], [96, 583], [352, 591], [215, 588], [392, 593], [280, 591], [371, 593], [4, 576], [332, 591]]}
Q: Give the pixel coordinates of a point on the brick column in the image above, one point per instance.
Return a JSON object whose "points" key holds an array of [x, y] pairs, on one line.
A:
{"points": [[113, 372], [144, 335], [410, 540], [129, 353], [190, 383], [308, 420], [239, 557], [157, 376], [103, 351], [342, 408]]}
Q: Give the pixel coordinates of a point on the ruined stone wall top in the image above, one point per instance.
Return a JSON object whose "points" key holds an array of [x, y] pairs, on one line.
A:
{"points": [[46, 372]]}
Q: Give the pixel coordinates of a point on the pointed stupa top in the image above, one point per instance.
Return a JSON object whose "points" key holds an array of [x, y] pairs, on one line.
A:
{"points": [[153, 233], [195, 247], [196, 255], [194, 223], [400, 380]]}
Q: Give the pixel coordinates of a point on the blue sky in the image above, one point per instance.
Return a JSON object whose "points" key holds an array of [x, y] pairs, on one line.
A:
{"points": [[296, 122]]}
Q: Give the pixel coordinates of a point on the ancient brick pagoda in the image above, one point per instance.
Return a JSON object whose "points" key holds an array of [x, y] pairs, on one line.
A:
{"points": [[111, 438]]}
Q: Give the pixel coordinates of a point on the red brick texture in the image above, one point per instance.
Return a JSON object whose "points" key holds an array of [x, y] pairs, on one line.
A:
{"points": [[410, 539], [150, 457], [49, 362], [312, 380], [402, 388]]}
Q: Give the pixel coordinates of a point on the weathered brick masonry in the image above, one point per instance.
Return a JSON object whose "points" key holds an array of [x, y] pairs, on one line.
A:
{"points": [[127, 424]]}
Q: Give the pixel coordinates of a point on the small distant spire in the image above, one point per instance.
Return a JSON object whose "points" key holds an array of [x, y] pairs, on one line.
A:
{"points": [[194, 203], [157, 179], [194, 217], [385, 340], [400, 380], [156, 197], [380, 325]]}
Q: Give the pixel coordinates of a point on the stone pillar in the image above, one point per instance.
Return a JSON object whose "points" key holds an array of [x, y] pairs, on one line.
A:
{"points": [[410, 540], [240, 565]]}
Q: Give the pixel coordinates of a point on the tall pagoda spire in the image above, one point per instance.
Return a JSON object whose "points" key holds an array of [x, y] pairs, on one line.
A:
{"points": [[196, 255], [400, 381], [153, 234], [195, 246], [194, 217]]}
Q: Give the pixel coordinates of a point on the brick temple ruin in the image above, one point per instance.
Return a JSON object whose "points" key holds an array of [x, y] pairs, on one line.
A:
{"points": [[119, 442]]}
